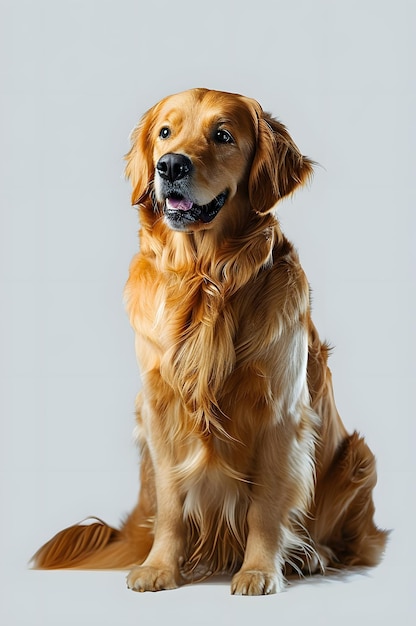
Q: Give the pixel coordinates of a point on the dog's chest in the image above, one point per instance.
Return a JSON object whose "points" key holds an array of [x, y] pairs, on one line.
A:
{"points": [[192, 334], [186, 328]]}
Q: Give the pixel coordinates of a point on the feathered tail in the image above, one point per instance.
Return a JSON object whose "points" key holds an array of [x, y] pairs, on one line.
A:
{"points": [[96, 546]]}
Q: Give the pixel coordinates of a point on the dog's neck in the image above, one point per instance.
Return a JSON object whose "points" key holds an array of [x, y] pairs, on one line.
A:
{"points": [[225, 263]]}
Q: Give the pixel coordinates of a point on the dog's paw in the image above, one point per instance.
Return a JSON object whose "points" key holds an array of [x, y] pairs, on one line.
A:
{"points": [[147, 578], [254, 583]]}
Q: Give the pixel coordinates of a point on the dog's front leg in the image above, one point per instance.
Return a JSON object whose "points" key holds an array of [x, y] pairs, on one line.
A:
{"points": [[161, 568], [258, 574], [282, 482]]}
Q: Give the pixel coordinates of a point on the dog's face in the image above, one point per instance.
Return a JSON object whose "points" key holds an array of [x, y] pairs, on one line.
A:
{"points": [[205, 152], [201, 150]]}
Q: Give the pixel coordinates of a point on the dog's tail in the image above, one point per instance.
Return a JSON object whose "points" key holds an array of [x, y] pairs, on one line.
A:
{"points": [[96, 545]]}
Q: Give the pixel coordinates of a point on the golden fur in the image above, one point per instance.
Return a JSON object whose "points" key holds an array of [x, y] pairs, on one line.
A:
{"points": [[246, 466]]}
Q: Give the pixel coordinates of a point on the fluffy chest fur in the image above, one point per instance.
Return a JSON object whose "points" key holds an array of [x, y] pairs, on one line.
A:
{"points": [[201, 332]]}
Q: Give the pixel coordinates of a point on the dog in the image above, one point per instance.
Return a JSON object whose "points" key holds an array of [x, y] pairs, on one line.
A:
{"points": [[246, 466]]}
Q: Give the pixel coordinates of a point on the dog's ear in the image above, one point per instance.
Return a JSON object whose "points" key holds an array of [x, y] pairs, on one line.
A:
{"points": [[278, 167], [139, 168]]}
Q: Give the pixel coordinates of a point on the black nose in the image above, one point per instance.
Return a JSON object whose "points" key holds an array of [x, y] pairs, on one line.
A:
{"points": [[174, 166]]}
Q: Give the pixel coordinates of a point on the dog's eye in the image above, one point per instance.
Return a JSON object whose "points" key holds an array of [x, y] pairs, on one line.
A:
{"points": [[223, 136], [164, 133]]}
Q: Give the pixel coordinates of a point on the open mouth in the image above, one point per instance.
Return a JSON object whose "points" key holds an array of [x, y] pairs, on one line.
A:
{"points": [[180, 211]]}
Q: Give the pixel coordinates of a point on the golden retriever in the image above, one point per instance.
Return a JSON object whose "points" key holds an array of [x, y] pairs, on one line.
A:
{"points": [[246, 467]]}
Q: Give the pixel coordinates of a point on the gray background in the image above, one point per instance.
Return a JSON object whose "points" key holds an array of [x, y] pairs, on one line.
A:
{"points": [[75, 78]]}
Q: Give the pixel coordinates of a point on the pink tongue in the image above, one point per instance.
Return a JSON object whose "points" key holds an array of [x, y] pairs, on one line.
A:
{"points": [[182, 204]]}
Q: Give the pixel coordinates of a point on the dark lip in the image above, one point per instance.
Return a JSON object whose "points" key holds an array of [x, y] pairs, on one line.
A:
{"points": [[204, 213]]}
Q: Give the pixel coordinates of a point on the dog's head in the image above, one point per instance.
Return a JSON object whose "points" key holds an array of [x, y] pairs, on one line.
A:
{"points": [[202, 151]]}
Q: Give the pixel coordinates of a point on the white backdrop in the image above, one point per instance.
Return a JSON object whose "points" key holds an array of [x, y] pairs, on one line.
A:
{"points": [[75, 78]]}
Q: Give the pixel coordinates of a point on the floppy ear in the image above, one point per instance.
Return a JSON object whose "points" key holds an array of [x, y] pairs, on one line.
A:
{"points": [[139, 168], [278, 166]]}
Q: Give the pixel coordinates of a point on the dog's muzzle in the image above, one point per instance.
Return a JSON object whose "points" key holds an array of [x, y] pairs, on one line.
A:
{"points": [[180, 210]]}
